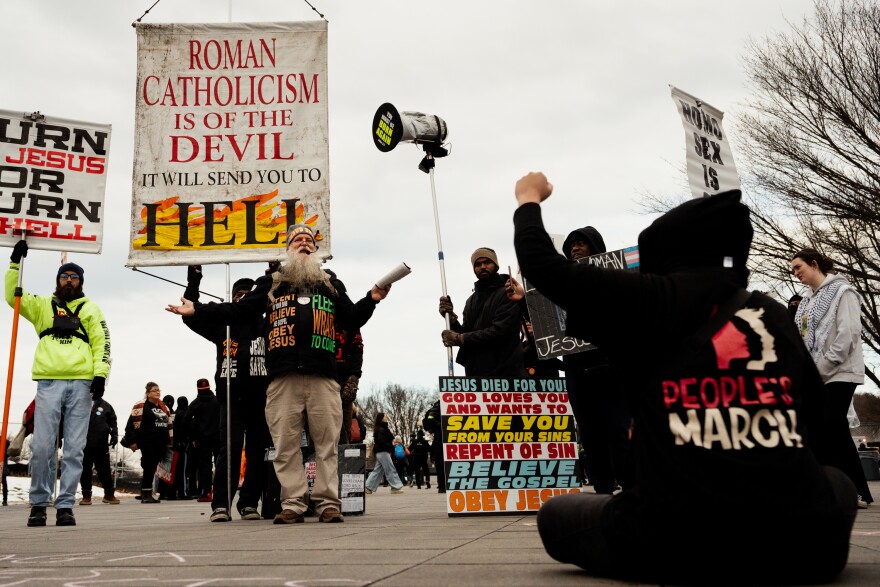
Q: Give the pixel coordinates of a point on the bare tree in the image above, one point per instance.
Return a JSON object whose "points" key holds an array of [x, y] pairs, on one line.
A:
{"points": [[811, 136], [404, 407]]}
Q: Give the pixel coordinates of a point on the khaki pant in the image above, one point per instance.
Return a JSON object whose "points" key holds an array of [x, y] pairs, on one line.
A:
{"points": [[287, 398]]}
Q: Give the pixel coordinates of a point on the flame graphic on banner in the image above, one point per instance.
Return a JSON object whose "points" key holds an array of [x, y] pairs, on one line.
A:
{"points": [[262, 217]]}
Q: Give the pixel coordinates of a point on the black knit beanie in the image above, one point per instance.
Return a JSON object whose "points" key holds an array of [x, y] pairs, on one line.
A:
{"points": [[71, 267]]}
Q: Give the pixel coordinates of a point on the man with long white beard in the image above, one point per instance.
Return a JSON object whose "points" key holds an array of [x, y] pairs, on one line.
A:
{"points": [[304, 305]]}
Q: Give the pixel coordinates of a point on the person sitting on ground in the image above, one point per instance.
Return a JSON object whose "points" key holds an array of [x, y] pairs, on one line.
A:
{"points": [[726, 486]]}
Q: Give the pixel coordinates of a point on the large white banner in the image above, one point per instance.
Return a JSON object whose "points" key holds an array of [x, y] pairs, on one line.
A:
{"points": [[710, 164], [231, 141], [53, 175]]}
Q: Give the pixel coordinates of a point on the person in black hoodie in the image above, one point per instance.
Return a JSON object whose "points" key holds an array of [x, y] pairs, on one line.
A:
{"points": [[203, 428], [103, 433], [593, 391], [149, 430], [726, 403], [248, 379], [488, 338]]}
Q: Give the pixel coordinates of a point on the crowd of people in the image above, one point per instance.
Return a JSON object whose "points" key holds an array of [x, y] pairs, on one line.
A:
{"points": [[659, 456]]}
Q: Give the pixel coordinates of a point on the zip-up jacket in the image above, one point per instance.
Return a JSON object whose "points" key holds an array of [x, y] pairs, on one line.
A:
{"points": [[490, 324], [64, 356], [102, 425]]}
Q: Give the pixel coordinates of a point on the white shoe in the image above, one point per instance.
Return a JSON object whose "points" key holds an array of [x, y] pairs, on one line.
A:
{"points": [[861, 503]]}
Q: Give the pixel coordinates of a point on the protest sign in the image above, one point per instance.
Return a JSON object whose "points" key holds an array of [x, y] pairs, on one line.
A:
{"points": [[509, 444], [231, 141], [710, 164], [548, 319], [53, 175]]}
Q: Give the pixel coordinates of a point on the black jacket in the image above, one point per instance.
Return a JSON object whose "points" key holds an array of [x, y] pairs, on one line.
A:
{"points": [[419, 449], [102, 426], [149, 427], [299, 325], [727, 420], [247, 348], [595, 357], [383, 439], [203, 418], [491, 326]]}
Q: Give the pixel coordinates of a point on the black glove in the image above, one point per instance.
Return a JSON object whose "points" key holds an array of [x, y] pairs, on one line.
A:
{"points": [[97, 387], [273, 267], [194, 274], [112, 443], [18, 251]]}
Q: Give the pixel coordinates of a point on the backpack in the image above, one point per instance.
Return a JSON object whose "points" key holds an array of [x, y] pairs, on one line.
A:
{"points": [[399, 451]]}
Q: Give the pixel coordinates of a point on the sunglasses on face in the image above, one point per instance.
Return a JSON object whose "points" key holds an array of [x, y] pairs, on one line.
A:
{"points": [[69, 276]]}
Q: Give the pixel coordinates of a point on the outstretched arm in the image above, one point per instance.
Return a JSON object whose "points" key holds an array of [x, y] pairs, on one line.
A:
{"points": [[186, 308]]}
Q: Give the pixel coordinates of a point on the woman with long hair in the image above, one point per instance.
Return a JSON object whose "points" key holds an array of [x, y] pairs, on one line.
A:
{"points": [[383, 441], [829, 319]]}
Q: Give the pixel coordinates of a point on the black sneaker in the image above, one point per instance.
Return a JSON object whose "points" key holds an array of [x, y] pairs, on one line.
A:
{"points": [[64, 517], [37, 516]]}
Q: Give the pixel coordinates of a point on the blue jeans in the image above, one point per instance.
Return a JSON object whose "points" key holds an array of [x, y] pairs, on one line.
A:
{"points": [[383, 465], [56, 398]]}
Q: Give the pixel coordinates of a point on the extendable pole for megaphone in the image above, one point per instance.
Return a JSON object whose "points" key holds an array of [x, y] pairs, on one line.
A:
{"points": [[427, 165], [16, 311]]}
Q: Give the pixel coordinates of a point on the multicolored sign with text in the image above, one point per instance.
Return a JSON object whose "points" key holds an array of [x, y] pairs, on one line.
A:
{"points": [[508, 444]]}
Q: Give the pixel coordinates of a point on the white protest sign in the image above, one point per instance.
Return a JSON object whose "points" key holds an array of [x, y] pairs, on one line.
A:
{"points": [[53, 175], [710, 164], [231, 141]]}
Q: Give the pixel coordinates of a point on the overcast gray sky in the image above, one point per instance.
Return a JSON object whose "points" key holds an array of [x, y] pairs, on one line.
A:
{"points": [[577, 89]]}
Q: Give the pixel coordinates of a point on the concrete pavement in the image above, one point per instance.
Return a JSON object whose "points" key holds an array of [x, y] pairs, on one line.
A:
{"points": [[402, 540]]}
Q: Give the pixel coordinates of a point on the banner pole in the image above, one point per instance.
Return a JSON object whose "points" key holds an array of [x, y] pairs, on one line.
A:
{"points": [[16, 311]]}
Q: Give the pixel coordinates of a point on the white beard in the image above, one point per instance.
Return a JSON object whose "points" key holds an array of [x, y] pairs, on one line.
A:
{"points": [[304, 271]]}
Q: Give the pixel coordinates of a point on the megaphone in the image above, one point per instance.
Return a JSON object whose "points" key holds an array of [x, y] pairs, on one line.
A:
{"points": [[391, 127]]}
